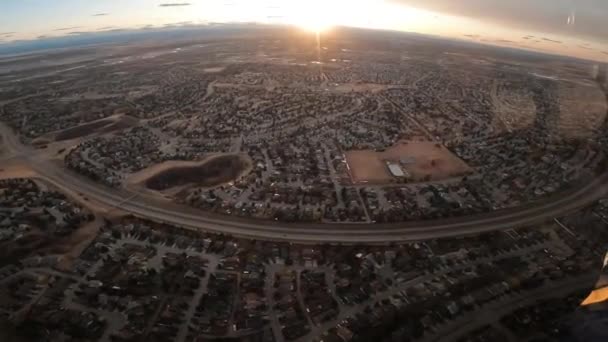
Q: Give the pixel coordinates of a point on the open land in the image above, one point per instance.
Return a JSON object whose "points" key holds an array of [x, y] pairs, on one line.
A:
{"points": [[423, 161], [101, 126], [582, 109]]}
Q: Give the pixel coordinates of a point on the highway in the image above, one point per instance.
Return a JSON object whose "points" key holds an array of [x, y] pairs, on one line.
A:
{"points": [[159, 210]]}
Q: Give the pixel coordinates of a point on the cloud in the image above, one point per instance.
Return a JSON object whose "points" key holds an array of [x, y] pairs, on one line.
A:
{"points": [[67, 28], [181, 23], [175, 4], [42, 37], [572, 18], [551, 40], [7, 34], [106, 28], [100, 14]]}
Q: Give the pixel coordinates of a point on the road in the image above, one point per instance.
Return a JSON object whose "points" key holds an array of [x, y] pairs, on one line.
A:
{"points": [[160, 210]]}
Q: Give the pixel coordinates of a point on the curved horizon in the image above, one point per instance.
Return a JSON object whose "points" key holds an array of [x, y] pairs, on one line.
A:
{"points": [[556, 27]]}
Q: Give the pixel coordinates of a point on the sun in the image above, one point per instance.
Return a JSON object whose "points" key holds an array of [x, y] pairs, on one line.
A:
{"points": [[311, 15], [313, 26]]}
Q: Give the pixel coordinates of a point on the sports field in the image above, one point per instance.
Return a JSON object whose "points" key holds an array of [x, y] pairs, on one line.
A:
{"points": [[426, 159]]}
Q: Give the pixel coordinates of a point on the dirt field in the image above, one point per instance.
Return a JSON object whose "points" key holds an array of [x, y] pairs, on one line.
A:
{"points": [[214, 70], [582, 110], [513, 110], [358, 87], [213, 171], [106, 125], [428, 159], [15, 170]]}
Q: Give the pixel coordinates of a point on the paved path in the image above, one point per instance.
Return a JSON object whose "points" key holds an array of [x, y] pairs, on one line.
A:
{"points": [[335, 178], [198, 294], [301, 298], [269, 292]]}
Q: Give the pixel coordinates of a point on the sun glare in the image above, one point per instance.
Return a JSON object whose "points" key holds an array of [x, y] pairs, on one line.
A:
{"points": [[313, 26], [314, 15], [321, 15]]}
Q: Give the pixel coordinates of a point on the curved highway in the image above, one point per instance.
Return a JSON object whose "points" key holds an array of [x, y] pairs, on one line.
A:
{"points": [[163, 211]]}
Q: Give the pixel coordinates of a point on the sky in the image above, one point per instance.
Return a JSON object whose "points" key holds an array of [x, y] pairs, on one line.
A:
{"points": [[568, 27]]}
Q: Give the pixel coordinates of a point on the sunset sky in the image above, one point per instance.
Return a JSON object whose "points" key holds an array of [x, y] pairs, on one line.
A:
{"points": [[568, 27]]}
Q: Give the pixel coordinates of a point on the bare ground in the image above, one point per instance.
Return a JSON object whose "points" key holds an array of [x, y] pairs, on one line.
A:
{"points": [[430, 159], [582, 110], [513, 110], [359, 87], [214, 70], [106, 125], [15, 170]]}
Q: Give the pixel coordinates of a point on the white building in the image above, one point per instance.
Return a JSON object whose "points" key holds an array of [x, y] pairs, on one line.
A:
{"points": [[396, 170]]}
